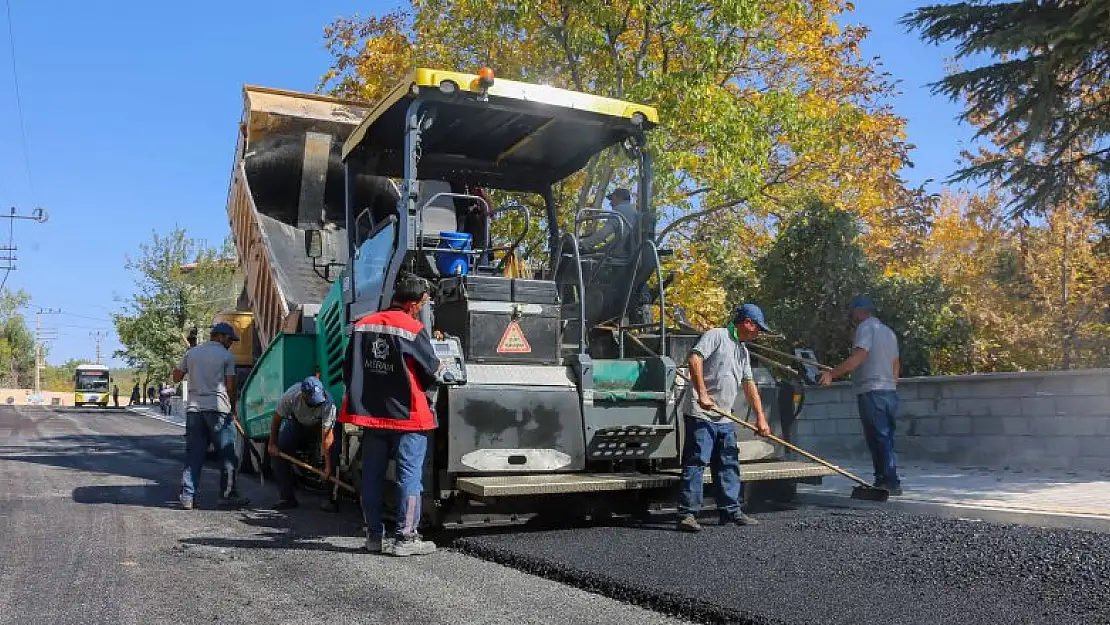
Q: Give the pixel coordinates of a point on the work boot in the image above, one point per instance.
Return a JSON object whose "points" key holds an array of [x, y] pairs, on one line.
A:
{"points": [[688, 524], [379, 544], [331, 505], [286, 504], [893, 491], [233, 501], [186, 502], [738, 518], [412, 546]]}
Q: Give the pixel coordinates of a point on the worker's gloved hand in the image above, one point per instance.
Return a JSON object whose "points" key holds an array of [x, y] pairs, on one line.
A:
{"points": [[446, 376]]}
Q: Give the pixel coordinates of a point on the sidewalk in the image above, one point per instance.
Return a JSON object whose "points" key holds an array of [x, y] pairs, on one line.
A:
{"points": [[1032, 494]]}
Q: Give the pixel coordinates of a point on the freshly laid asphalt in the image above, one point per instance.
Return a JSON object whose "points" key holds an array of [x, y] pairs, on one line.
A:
{"points": [[89, 533], [827, 566]]}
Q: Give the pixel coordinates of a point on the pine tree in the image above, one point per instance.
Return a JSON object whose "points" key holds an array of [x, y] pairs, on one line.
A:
{"points": [[1047, 90]]}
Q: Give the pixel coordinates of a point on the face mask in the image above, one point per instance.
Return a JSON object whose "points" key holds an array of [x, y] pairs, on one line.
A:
{"points": [[732, 331]]}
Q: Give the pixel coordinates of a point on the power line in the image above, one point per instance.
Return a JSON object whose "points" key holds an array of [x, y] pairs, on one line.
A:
{"points": [[19, 102]]}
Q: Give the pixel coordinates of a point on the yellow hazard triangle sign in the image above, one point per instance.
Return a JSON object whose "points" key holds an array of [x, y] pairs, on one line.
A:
{"points": [[513, 341]]}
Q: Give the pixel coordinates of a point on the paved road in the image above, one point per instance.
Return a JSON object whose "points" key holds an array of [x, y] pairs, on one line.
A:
{"points": [[89, 535]]}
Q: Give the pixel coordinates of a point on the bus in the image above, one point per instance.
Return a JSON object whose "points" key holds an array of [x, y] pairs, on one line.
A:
{"points": [[91, 385]]}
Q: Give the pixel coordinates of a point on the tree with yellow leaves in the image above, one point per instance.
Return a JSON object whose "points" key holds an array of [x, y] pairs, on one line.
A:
{"points": [[761, 102]]}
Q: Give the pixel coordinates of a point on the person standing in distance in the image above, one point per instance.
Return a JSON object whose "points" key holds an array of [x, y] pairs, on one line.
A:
{"points": [[210, 413], [303, 407], [720, 368], [390, 368], [875, 366]]}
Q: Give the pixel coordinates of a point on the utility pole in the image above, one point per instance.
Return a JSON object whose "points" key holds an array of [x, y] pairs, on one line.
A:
{"points": [[7, 252], [40, 337], [98, 336]]}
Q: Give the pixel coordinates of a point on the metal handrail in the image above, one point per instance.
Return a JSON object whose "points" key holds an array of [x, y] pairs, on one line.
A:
{"points": [[601, 214], [662, 297], [420, 212], [577, 258]]}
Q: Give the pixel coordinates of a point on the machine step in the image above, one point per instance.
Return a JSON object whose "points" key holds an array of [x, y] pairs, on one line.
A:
{"points": [[569, 483], [560, 483]]}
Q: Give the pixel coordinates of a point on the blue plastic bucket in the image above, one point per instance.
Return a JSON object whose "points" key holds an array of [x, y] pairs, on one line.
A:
{"points": [[453, 263]]}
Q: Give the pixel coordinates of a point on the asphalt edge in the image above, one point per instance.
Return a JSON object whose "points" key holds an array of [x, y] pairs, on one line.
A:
{"points": [[667, 603], [970, 512]]}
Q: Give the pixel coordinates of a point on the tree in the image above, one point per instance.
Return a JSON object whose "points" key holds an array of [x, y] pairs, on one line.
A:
{"points": [[1034, 293], [17, 344], [816, 265], [1047, 92], [60, 378], [761, 102], [180, 283]]}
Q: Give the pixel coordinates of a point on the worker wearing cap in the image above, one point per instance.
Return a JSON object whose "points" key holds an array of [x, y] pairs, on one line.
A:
{"points": [[720, 369], [302, 409], [210, 413], [620, 202], [390, 367], [875, 366]]}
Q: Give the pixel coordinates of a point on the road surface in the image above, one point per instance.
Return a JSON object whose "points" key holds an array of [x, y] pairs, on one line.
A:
{"points": [[89, 534]]}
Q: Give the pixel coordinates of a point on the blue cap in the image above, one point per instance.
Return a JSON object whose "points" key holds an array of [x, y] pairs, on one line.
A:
{"points": [[225, 328], [312, 387], [862, 301], [751, 311]]}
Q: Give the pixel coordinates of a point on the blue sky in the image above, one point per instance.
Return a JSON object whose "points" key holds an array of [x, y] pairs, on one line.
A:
{"points": [[131, 114]]}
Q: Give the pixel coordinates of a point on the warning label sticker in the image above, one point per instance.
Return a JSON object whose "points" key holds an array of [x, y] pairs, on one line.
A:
{"points": [[513, 341]]}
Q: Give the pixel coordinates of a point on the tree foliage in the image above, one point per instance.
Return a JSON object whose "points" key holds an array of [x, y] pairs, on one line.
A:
{"points": [[760, 101], [1035, 294], [1047, 91], [181, 283], [17, 343], [814, 268]]}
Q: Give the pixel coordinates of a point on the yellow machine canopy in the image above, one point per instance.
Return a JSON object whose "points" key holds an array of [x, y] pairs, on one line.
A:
{"points": [[496, 133]]}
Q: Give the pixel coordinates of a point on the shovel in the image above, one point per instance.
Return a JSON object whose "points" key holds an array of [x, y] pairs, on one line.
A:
{"points": [[863, 491], [307, 467]]}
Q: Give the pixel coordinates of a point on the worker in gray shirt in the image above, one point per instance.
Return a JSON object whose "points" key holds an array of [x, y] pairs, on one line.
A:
{"points": [[303, 410], [614, 234], [210, 413], [875, 367], [720, 369]]}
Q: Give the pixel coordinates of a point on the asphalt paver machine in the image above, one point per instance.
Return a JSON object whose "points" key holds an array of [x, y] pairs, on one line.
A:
{"points": [[331, 200]]}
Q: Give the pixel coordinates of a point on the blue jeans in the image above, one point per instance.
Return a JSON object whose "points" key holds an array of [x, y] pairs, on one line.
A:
{"points": [[877, 410], [290, 438], [407, 450], [713, 444], [203, 428]]}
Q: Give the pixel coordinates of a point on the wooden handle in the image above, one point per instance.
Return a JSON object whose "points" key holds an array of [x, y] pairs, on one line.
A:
{"points": [[791, 446], [804, 361], [308, 467]]}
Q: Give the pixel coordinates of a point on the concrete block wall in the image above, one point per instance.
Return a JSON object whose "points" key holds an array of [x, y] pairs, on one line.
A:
{"points": [[1054, 420]]}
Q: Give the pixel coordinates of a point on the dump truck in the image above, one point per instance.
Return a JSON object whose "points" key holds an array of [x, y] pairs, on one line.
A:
{"points": [[553, 410]]}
